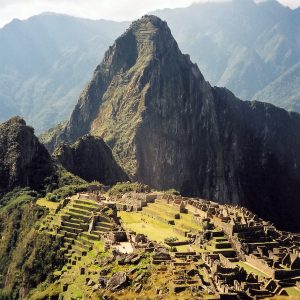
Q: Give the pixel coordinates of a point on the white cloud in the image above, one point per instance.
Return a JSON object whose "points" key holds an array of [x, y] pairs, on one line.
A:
{"points": [[94, 9]]}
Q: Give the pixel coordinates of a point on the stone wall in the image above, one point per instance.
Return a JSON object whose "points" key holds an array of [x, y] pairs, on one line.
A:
{"points": [[260, 265], [226, 262], [181, 243], [195, 210]]}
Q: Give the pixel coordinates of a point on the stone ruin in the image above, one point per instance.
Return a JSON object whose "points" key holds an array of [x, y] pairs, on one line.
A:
{"points": [[230, 236]]}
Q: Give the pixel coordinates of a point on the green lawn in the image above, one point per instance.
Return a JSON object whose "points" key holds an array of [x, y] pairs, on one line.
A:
{"points": [[185, 220], [154, 229], [157, 230]]}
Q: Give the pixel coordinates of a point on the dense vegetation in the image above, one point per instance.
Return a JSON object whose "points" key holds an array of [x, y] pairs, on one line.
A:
{"points": [[66, 184], [16, 197], [124, 187], [27, 256]]}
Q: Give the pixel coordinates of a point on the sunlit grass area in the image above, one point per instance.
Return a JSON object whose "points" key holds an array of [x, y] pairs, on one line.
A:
{"points": [[46, 203], [154, 229], [294, 292], [250, 269]]}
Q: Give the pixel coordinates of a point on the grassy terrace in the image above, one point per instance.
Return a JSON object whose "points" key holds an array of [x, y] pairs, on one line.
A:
{"points": [[48, 204], [157, 230], [249, 269], [294, 292], [154, 229], [185, 221]]}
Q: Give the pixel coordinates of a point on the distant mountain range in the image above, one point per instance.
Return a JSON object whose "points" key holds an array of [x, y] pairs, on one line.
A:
{"points": [[45, 62], [252, 49]]}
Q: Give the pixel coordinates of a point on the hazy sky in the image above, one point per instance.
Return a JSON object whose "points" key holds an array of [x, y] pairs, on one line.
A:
{"points": [[94, 9]]}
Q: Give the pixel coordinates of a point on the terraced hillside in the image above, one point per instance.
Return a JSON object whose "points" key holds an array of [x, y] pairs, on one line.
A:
{"points": [[161, 246], [80, 222]]}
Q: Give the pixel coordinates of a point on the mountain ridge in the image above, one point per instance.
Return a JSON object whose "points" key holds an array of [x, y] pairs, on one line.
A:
{"points": [[247, 48], [169, 128], [23, 160], [90, 159], [214, 33], [55, 63]]}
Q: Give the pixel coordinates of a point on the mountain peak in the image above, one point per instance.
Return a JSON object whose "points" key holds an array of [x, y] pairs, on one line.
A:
{"points": [[147, 33], [23, 160], [148, 39], [168, 128], [149, 19], [17, 120]]}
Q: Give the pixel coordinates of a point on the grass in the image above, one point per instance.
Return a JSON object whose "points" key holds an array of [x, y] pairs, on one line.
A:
{"points": [[250, 269], [185, 221], [22, 199], [187, 248], [52, 290], [294, 292], [154, 229], [46, 203], [16, 198]]}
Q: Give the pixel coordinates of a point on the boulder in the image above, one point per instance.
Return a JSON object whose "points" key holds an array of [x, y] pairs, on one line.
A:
{"points": [[117, 282], [138, 288], [90, 282]]}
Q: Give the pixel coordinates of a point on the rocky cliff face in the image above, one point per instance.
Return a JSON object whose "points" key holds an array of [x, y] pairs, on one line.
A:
{"points": [[251, 47], [170, 129], [91, 159], [23, 160]]}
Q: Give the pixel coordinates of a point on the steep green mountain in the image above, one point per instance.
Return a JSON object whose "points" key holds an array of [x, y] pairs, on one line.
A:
{"points": [[46, 61], [242, 45], [27, 255], [24, 161], [91, 159], [169, 128]]}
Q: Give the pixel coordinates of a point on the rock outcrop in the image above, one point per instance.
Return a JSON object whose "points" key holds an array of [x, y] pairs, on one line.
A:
{"points": [[169, 128], [24, 161], [91, 159], [117, 281]]}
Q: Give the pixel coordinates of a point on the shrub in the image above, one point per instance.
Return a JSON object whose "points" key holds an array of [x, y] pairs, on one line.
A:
{"points": [[171, 239], [67, 178], [207, 225], [172, 192], [5, 295], [125, 187], [51, 197], [65, 191], [41, 259]]}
